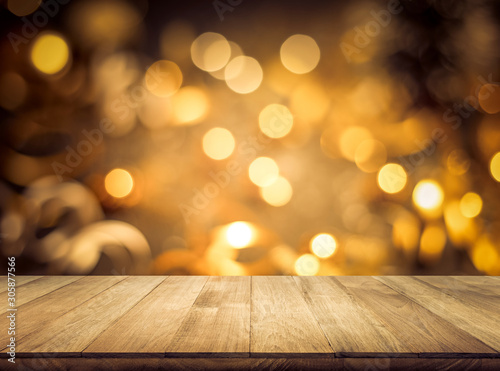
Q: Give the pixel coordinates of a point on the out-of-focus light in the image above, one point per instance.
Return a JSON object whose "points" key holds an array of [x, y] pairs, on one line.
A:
{"points": [[190, 105], [275, 120], [263, 171], [218, 143], [307, 265], [210, 51], [50, 53], [239, 234], [460, 229], [351, 138], [310, 102], [458, 162], [471, 205], [23, 7], [489, 98], [119, 183], [370, 155], [12, 90], [428, 195], [495, 166], [300, 54], [277, 193], [243, 74], [432, 243], [406, 231], [392, 178], [235, 52], [485, 257], [323, 245], [163, 78]]}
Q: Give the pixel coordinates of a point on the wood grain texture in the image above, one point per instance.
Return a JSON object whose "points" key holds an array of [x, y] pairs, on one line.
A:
{"points": [[412, 364], [20, 280], [71, 333], [37, 313], [33, 289], [473, 320], [282, 323], [416, 326], [353, 330], [147, 328], [487, 297], [218, 323], [177, 364]]}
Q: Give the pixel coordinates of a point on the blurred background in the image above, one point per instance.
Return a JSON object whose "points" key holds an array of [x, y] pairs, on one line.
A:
{"points": [[237, 137]]}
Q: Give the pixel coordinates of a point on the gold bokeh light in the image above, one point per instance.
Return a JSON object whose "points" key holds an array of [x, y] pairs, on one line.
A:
{"points": [[239, 234], [263, 171], [243, 74], [218, 143], [163, 78], [277, 193], [119, 183], [275, 120], [392, 178], [307, 265], [210, 51], [300, 54], [323, 245], [495, 166], [471, 205], [190, 105], [50, 53], [428, 195]]}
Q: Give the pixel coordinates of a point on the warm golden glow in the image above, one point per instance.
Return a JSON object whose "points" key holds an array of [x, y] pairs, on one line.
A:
{"points": [[210, 51], [323, 245], [428, 195], [263, 171], [243, 74], [392, 178], [50, 53], [485, 256], [278, 193], [119, 183], [235, 52], [351, 138], [370, 155], [471, 205], [432, 243], [23, 7], [495, 166], [239, 234], [307, 265], [163, 78], [275, 120], [489, 98], [218, 143], [190, 105], [300, 54], [458, 162]]}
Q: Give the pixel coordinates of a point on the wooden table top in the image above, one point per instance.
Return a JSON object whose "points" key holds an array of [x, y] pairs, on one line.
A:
{"points": [[330, 320]]}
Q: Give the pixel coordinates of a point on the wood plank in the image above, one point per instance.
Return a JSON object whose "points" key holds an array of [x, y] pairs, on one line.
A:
{"points": [[31, 316], [466, 293], [411, 364], [478, 323], [42, 286], [147, 328], [20, 280], [70, 334], [178, 364], [427, 333], [353, 330], [282, 324], [218, 323], [485, 285]]}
